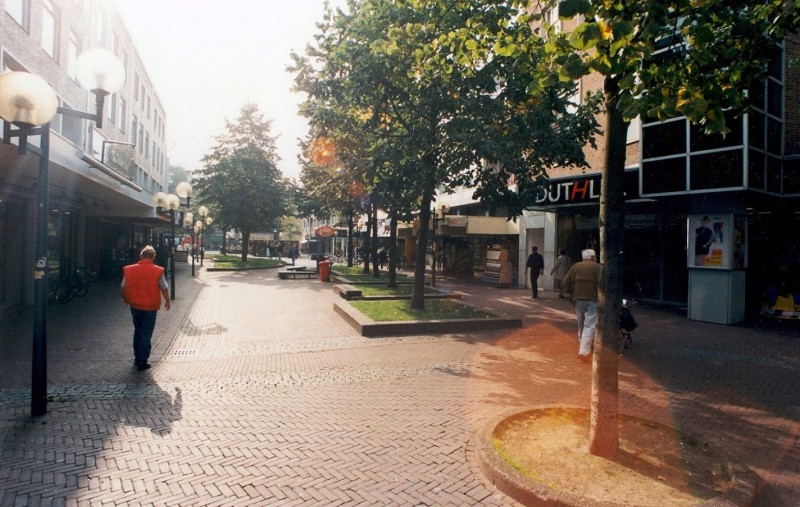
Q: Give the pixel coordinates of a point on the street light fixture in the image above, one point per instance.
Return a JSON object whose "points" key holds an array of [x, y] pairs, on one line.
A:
{"points": [[205, 220], [173, 203], [188, 223], [439, 213], [29, 103]]}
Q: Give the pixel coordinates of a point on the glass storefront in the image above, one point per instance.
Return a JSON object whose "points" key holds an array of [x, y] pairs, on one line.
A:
{"points": [[654, 253]]}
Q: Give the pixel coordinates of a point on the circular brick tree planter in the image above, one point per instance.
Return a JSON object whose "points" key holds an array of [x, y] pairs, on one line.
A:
{"points": [[740, 490]]}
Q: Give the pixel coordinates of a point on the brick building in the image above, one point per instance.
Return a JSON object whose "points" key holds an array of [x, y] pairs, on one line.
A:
{"points": [[101, 180]]}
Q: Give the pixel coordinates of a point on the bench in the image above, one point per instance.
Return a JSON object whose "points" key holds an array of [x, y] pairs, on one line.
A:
{"points": [[347, 291], [295, 274]]}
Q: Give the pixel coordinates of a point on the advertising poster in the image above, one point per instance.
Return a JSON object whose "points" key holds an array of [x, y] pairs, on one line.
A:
{"points": [[710, 241]]}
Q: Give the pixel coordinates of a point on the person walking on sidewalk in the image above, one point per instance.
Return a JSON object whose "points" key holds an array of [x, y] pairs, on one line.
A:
{"points": [[143, 286], [582, 281], [536, 265], [559, 271]]}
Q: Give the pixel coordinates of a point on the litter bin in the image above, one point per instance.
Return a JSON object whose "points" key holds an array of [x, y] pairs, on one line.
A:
{"points": [[325, 271]]}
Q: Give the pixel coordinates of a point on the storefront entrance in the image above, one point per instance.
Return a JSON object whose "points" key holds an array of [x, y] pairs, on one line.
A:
{"points": [[654, 253]]}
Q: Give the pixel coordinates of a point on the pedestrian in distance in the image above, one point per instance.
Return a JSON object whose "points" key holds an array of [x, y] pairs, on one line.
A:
{"points": [[143, 286], [536, 264], [559, 271], [582, 282]]}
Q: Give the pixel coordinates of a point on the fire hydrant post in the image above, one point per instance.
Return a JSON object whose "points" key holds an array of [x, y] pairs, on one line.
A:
{"points": [[325, 271]]}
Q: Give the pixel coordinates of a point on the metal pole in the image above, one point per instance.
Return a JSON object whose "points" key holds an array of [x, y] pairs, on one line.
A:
{"points": [[40, 275], [202, 236], [193, 250], [172, 255]]}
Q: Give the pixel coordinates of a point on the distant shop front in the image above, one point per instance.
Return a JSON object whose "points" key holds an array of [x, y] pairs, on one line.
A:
{"points": [[719, 256]]}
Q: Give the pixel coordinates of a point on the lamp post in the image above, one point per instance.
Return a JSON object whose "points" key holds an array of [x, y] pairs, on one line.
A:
{"points": [[188, 223], [173, 202], [438, 214], [29, 103], [203, 212]]}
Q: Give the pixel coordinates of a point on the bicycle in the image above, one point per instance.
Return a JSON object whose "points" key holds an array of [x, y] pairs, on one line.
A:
{"points": [[626, 325], [75, 285]]}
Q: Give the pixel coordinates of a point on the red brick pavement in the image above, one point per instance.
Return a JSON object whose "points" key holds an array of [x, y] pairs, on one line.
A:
{"points": [[261, 395]]}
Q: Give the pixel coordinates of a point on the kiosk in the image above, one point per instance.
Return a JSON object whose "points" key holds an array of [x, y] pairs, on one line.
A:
{"points": [[717, 258]]}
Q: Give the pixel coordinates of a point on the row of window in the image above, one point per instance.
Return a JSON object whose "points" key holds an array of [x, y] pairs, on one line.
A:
{"points": [[118, 108]]}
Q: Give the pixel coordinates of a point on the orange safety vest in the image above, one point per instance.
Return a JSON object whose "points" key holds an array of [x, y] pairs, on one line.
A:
{"points": [[141, 285]]}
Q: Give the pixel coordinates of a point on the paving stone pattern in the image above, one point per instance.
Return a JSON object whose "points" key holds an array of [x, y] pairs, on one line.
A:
{"points": [[261, 395]]}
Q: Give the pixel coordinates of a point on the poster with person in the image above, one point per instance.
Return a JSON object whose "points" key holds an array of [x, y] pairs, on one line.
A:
{"points": [[710, 242]]}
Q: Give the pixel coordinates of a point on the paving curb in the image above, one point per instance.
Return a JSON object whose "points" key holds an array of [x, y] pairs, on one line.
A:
{"points": [[532, 493], [371, 329]]}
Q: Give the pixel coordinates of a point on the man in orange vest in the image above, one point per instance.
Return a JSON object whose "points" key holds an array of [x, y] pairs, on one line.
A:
{"points": [[143, 285]]}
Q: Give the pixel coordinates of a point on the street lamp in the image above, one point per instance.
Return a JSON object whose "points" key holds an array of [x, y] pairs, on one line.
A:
{"points": [[205, 220], [29, 103], [188, 219], [173, 203], [439, 213], [203, 212]]}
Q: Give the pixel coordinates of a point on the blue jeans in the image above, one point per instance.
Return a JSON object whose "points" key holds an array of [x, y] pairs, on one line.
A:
{"points": [[586, 311], [144, 321]]}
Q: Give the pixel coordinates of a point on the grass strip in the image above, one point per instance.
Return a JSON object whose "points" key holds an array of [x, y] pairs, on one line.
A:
{"points": [[234, 261], [435, 309]]}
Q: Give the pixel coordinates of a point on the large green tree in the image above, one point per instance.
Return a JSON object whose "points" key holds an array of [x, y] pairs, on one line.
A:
{"points": [[240, 179], [657, 59], [429, 114]]}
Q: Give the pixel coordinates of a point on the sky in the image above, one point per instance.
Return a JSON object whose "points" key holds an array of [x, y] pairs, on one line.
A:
{"points": [[208, 58]]}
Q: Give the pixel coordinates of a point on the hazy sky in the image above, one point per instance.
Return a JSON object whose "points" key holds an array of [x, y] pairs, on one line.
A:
{"points": [[207, 58]]}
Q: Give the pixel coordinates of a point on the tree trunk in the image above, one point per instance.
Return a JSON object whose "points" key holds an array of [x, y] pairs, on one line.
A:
{"points": [[367, 247], [604, 427], [224, 236], [375, 272], [393, 251], [350, 238], [418, 294], [245, 243]]}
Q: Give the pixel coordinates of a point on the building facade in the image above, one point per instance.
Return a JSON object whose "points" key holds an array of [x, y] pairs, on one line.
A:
{"points": [[101, 180], [712, 222]]}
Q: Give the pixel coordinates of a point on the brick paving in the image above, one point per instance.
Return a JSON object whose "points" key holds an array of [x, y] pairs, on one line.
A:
{"points": [[260, 395]]}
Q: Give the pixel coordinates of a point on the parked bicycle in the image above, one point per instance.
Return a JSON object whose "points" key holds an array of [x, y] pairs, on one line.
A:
{"points": [[75, 285], [626, 325]]}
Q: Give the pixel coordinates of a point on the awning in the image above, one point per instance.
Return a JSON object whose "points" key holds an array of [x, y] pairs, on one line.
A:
{"points": [[492, 226]]}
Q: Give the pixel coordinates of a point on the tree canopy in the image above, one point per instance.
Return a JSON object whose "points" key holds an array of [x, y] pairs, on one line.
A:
{"points": [[240, 180], [393, 82]]}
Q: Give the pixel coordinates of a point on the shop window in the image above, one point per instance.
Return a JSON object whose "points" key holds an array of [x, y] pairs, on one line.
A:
{"points": [[721, 169], [664, 176], [756, 130], [632, 184], [664, 139], [791, 177], [774, 136], [775, 67], [701, 141], [755, 170], [773, 174], [774, 98], [757, 95]]}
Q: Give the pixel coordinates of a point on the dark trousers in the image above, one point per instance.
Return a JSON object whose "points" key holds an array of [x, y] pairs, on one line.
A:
{"points": [[535, 282], [144, 321]]}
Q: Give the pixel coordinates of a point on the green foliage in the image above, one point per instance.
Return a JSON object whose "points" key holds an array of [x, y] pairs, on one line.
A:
{"points": [[401, 310], [690, 58], [240, 180]]}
